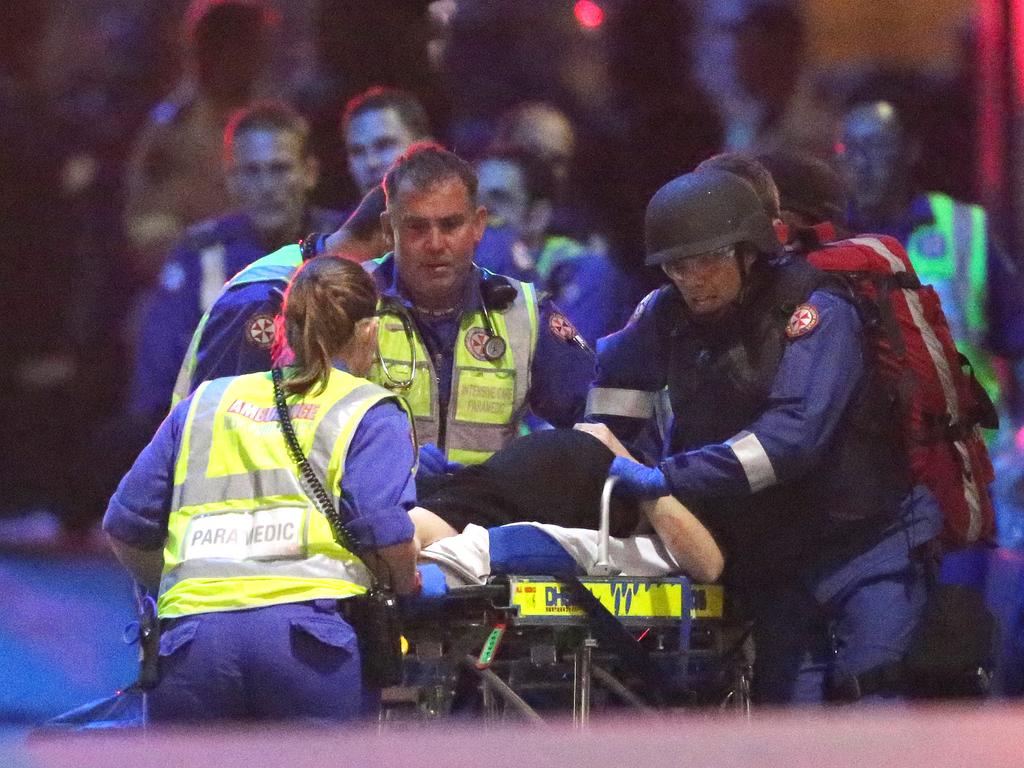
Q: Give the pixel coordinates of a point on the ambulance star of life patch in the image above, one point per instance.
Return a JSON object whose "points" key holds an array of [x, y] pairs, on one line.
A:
{"points": [[803, 320], [561, 327], [260, 331]]}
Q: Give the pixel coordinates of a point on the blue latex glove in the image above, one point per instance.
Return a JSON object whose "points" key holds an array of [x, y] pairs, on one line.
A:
{"points": [[432, 461], [432, 580], [637, 481]]}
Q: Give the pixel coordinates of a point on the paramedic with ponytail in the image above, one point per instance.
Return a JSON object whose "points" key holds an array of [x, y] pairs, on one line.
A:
{"points": [[250, 571]]}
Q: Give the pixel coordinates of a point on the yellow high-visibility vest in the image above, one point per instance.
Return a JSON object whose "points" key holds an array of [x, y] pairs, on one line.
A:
{"points": [[242, 533]]}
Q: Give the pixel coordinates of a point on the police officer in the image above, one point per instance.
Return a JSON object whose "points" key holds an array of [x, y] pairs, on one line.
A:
{"points": [[269, 174], [949, 242], [777, 441], [251, 572]]}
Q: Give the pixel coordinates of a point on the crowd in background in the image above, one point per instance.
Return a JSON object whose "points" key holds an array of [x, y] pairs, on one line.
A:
{"points": [[107, 163]]}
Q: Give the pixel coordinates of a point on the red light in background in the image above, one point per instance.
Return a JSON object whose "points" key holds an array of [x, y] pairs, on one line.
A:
{"points": [[588, 13]]}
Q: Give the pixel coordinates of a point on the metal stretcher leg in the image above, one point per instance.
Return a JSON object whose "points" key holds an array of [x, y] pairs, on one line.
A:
{"points": [[495, 685]]}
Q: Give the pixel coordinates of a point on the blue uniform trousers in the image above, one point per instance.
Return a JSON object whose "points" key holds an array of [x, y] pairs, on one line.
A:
{"points": [[297, 660], [845, 619], [800, 643]]}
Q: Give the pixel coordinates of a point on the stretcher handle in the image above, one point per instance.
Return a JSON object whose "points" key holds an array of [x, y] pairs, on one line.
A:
{"points": [[602, 567]]}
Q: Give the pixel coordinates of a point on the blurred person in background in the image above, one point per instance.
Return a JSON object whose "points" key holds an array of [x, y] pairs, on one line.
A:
{"points": [[950, 243], [519, 191], [269, 175], [779, 106], [379, 125], [35, 275], [953, 248], [659, 123], [175, 176], [357, 45]]}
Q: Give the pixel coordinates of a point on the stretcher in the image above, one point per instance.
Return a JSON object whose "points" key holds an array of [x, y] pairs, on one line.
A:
{"points": [[535, 646]]}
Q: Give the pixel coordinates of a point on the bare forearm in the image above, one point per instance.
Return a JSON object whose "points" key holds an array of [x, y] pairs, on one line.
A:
{"points": [[685, 537]]}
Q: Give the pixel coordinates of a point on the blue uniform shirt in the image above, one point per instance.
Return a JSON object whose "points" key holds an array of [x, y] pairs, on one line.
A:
{"points": [[209, 254], [378, 478], [560, 374], [816, 377]]}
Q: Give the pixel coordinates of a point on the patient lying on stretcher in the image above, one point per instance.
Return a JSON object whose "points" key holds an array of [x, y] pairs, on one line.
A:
{"points": [[470, 523]]}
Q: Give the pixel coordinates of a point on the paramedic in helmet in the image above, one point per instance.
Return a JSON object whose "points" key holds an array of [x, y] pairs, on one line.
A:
{"points": [[778, 441], [251, 572]]}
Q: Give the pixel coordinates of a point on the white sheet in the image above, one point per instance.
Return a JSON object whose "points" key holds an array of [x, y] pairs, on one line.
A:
{"points": [[466, 558]]}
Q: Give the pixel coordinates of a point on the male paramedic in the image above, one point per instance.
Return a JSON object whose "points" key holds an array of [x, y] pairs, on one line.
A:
{"points": [[778, 441]]}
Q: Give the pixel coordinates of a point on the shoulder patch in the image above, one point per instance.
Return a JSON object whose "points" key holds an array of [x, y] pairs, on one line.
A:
{"points": [[561, 327], [804, 319], [259, 331]]}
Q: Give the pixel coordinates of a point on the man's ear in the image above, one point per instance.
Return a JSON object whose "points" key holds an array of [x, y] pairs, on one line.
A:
{"points": [[479, 223]]}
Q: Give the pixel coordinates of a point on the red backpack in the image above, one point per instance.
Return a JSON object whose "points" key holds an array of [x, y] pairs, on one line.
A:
{"points": [[941, 405]]}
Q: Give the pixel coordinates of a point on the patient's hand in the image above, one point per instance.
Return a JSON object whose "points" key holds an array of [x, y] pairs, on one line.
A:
{"points": [[602, 433]]}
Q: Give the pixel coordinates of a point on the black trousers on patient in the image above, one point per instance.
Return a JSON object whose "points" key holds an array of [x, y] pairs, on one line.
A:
{"points": [[553, 476]]}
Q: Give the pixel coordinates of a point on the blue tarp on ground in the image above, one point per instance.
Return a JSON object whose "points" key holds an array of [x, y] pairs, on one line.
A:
{"points": [[61, 633]]}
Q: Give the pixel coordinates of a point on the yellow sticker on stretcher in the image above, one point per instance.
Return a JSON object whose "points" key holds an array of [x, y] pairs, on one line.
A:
{"points": [[708, 601], [625, 598]]}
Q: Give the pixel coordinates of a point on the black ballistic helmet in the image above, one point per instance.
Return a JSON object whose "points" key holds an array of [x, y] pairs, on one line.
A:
{"points": [[702, 211]]}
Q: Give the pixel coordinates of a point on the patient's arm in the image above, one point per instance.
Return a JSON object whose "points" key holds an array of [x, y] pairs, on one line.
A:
{"points": [[429, 527], [685, 537]]}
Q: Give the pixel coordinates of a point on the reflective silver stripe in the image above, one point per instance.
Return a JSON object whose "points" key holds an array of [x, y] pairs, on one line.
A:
{"points": [[198, 438], [211, 262], [521, 342], [972, 495], [250, 485], [755, 462], [336, 419], [879, 247], [315, 567], [489, 438], [611, 401], [426, 430]]}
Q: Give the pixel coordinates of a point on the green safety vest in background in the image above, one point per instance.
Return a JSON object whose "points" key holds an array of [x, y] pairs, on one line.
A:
{"points": [[951, 255], [488, 398], [242, 533]]}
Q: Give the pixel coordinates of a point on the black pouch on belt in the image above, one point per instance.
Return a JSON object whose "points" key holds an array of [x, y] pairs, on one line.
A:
{"points": [[378, 628]]}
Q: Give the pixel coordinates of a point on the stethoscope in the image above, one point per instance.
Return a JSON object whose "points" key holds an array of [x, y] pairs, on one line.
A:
{"points": [[495, 292]]}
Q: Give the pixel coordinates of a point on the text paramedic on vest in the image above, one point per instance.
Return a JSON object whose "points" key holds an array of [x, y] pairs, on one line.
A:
{"points": [[250, 571], [950, 244], [777, 441], [470, 350]]}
